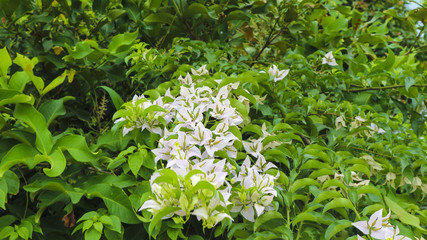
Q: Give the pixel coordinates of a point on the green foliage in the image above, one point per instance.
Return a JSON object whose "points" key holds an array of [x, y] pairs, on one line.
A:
{"points": [[348, 139]]}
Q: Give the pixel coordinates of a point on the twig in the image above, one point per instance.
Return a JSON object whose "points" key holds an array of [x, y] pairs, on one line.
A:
{"points": [[381, 88]]}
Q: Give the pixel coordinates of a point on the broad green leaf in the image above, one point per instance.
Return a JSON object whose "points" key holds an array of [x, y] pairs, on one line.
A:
{"points": [[195, 8], [7, 231], [77, 147], [3, 194], [159, 18], [117, 100], [152, 108], [115, 200], [403, 215], [55, 184], [204, 185], [310, 164], [338, 203], [23, 232], [53, 108], [336, 227], [5, 61], [12, 181], [55, 83], [6, 220], [158, 217], [27, 65], [57, 162], [122, 42], [269, 221], [92, 234], [81, 50], [304, 216], [327, 195], [301, 183], [252, 128], [240, 108], [20, 153], [245, 94], [37, 122], [13, 96], [361, 168], [135, 161], [368, 189], [333, 182], [18, 81]]}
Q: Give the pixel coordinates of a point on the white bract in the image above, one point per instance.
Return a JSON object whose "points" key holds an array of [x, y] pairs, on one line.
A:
{"points": [[329, 59], [193, 126], [278, 74], [378, 227]]}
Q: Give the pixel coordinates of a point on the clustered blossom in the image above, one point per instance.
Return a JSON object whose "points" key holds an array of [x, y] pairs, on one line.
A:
{"points": [[194, 125], [378, 227]]}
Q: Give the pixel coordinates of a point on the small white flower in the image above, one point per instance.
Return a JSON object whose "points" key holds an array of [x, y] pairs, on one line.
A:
{"points": [[329, 59], [278, 75]]}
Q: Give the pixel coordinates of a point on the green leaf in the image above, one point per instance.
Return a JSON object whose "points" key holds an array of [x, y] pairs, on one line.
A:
{"points": [[159, 18], [5, 61], [336, 227], [13, 96], [37, 122], [117, 100], [135, 161], [122, 42], [368, 189], [6, 232], [409, 81], [204, 185], [300, 183], [55, 83], [27, 65], [18, 81], [92, 234], [20, 153], [53, 108], [158, 217], [81, 50], [195, 8], [115, 200], [338, 203], [304, 216], [269, 221], [57, 163], [55, 184], [77, 147], [403, 215], [12, 181], [240, 108], [327, 195], [23, 232], [3, 194]]}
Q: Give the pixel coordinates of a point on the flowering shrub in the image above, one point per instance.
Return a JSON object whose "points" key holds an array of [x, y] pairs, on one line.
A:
{"points": [[199, 131]]}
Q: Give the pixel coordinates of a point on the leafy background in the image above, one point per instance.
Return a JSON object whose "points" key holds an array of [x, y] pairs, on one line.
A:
{"points": [[67, 66]]}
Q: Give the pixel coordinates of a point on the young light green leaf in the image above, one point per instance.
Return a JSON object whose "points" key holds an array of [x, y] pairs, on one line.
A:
{"points": [[55, 83], [37, 122], [5, 61], [20, 153]]}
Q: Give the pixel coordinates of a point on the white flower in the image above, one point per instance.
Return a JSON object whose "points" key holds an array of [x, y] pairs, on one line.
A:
{"points": [[278, 75], [201, 71], [392, 234], [339, 122], [329, 59], [376, 227]]}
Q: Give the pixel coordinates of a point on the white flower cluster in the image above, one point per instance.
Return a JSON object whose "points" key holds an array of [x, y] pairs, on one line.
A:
{"points": [[193, 126], [378, 227]]}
